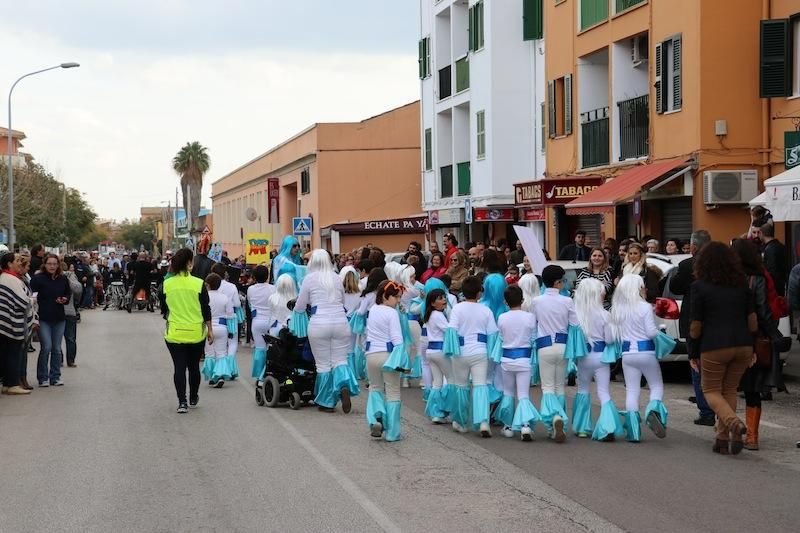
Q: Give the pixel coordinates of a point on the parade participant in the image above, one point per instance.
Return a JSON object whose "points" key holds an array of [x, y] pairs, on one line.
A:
{"points": [[555, 314], [466, 340], [595, 322], [384, 346], [352, 301], [184, 303], [439, 365], [258, 296], [289, 253], [358, 321], [232, 292], [328, 332], [635, 328], [494, 286], [410, 305], [529, 284], [140, 270], [217, 367]]}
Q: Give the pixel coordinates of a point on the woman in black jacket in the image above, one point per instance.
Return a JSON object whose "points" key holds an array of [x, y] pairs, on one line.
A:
{"points": [[51, 290], [722, 327], [757, 379]]}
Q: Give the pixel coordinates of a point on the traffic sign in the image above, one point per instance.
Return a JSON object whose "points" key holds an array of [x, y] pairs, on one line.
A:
{"points": [[467, 211], [301, 226]]}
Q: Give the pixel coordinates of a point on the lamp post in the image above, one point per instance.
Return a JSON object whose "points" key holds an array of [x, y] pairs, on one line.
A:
{"points": [[12, 236]]}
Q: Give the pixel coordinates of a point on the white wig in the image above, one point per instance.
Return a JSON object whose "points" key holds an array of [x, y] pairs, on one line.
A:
{"points": [[285, 291], [588, 303], [343, 272], [405, 276], [529, 284], [321, 264], [393, 271], [627, 297]]}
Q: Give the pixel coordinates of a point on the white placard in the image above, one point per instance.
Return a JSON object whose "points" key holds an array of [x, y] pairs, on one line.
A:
{"points": [[530, 243]]}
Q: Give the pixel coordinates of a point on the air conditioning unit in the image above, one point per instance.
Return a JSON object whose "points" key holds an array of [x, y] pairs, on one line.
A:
{"points": [[729, 186], [639, 50]]}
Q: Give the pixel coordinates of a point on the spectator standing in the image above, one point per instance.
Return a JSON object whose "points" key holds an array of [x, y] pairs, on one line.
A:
{"points": [[653, 246], [775, 259], [600, 270], [71, 314], [672, 247], [577, 251], [457, 272], [450, 248], [52, 293], [225, 260], [16, 321], [636, 263], [433, 247], [518, 255], [37, 256], [436, 268], [681, 284], [415, 248]]}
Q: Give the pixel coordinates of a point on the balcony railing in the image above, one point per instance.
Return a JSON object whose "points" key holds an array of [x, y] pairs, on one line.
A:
{"points": [[634, 128], [445, 82], [594, 138], [462, 74], [622, 5]]}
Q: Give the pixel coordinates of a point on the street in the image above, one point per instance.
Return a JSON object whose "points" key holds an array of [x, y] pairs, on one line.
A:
{"points": [[107, 452]]}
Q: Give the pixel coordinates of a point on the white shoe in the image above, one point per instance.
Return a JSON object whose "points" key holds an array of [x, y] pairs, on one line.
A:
{"points": [[558, 430], [437, 420], [376, 430], [526, 434], [485, 430], [459, 428], [508, 432]]}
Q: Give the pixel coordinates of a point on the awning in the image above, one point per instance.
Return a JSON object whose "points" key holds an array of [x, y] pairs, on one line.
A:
{"points": [[781, 196], [622, 188]]}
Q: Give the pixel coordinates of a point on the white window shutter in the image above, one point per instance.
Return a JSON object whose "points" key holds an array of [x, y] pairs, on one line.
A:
{"points": [[677, 93], [568, 104]]}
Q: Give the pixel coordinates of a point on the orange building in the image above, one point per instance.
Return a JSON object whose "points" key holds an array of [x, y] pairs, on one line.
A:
{"points": [[358, 182], [659, 98]]}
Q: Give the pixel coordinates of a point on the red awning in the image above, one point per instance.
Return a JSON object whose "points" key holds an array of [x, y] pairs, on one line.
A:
{"points": [[622, 188]]}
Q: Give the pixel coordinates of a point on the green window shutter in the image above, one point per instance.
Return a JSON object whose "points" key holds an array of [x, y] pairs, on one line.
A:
{"points": [[592, 12], [677, 94], [479, 26], [551, 108], [659, 78], [464, 180], [480, 130], [471, 29], [775, 57], [568, 104], [428, 149], [422, 59], [446, 181], [532, 18]]}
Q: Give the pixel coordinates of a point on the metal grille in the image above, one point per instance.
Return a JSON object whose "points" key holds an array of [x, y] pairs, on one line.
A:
{"points": [[634, 128]]}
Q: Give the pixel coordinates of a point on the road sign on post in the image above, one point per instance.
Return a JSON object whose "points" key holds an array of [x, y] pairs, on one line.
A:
{"points": [[467, 211], [301, 226]]}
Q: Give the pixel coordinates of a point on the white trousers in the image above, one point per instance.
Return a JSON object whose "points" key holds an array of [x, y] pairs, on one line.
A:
{"points": [[465, 366], [220, 346], [516, 381], [591, 366], [260, 328], [552, 368], [633, 366], [441, 368], [330, 344], [233, 342], [381, 380], [494, 375]]}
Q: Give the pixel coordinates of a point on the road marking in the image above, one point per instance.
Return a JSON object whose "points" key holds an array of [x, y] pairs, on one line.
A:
{"points": [[345, 482], [762, 422]]}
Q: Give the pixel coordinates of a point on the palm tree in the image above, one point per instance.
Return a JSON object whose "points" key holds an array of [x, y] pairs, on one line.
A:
{"points": [[191, 163]]}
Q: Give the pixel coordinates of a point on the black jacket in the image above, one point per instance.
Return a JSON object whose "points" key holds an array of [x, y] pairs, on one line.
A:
{"points": [[573, 252], [681, 283], [776, 264], [723, 313]]}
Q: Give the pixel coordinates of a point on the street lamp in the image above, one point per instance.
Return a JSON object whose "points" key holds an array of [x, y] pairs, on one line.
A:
{"points": [[12, 236]]}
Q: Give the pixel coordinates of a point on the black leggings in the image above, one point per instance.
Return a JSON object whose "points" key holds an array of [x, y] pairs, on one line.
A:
{"points": [[10, 356], [752, 399], [186, 357]]}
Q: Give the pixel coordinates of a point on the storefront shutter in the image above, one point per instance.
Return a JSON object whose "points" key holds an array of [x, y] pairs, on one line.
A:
{"points": [[591, 225], [676, 219]]}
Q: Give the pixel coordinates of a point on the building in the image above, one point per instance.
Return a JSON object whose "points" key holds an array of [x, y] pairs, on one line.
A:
{"points": [[655, 99], [357, 181], [481, 66], [18, 158]]}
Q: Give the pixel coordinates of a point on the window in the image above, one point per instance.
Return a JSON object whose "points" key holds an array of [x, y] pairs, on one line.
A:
{"points": [[464, 180], [669, 93], [424, 58], [542, 126], [305, 181], [593, 12], [776, 53], [476, 27], [480, 128], [622, 5], [559, 106], [446, 181], [532, 19], [428, 149]]}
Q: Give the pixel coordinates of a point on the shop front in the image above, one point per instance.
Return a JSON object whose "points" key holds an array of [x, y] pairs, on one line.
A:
{"points": [[444, 221], [492, 224], [530, 210], [390, 235]]}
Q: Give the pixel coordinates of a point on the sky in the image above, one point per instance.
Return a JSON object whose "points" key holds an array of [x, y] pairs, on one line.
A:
{"points": [[239, 76]]}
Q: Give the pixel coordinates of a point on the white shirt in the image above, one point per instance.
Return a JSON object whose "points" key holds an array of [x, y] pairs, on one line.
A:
{"points": [[362, 284], [352, 301], [279, 314], [452, 300], [229, 289], [641, 327], [258, 296], [471, 319], [436, 326], [601, 328], [366, 303], [383, 326], [517, 328], [329, 304], [220, 306], [554, 313]]}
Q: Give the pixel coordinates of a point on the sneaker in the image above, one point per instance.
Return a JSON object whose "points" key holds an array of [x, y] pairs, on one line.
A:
{"points": [[706, 420], [438, 420], [346, 405], [558, 430], [655, 424], [183, 408], [44, 384], [15, 390], [56, 383], [193, 402], [526, 434], [72, 365], [508, 432], [376, 430], [582, 435], [485, 430], [219, 384], [459, 428]]}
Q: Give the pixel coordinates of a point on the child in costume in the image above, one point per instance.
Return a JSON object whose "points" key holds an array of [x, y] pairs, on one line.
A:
{"points": [[411, 302], [635, 329], [278, 311], [494, 286], [439, 364], [352, 301], [258, 295], [230, 290], [217, 366]]}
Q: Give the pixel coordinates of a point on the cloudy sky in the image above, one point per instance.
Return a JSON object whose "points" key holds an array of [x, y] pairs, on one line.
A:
{"points": [[239, 76]]}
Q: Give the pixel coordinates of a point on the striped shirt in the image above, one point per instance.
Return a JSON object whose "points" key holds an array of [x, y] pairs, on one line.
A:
{"points": [[16, 307]]}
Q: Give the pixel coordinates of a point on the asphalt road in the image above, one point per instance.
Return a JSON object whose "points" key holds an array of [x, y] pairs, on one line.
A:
{"points": [[107, 452]]}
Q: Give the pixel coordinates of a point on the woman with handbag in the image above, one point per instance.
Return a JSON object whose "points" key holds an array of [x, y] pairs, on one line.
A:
{"points": [[760, 377], [722, 325]]}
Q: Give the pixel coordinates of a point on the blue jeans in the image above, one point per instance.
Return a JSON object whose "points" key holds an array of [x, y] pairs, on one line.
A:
{"points": [[70, 338], [702, 404], [88, 296], [50, 336]]}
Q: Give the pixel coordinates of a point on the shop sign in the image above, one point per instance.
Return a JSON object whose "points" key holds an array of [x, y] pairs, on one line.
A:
{"points": [[532, 214], [490, 214], [396, 225], [791, 143], [273, 197], [563, 191], [528, 193], [446, 217]]}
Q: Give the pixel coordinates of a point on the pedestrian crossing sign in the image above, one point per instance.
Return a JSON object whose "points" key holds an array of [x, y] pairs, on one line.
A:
{"points": [[301, 226]]}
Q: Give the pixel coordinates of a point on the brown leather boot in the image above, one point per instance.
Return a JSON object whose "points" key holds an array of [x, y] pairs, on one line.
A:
{"points": [[23, 382], [753, 419]]}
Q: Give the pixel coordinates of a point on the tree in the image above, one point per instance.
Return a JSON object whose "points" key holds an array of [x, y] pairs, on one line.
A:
{"points": [[135, 234], [191, 164]]}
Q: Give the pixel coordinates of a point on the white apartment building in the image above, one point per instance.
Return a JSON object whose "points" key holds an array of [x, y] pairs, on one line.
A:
{"points": [[481, 65]]}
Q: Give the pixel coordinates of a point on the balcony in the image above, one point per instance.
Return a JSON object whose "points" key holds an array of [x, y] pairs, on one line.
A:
{"points": [[594, 138], [622, 5], [634, 128], [462, 74], [445, 82]]}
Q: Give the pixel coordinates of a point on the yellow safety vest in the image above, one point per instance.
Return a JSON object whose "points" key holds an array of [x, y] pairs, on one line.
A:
{"points": [[185, 323]]}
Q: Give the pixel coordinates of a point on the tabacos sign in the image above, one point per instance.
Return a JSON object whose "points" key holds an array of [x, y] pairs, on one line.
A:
{"points": [[528, 193], [554, 191]]}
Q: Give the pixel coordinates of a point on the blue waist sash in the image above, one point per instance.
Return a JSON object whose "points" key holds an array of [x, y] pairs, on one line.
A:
{"points": [[415, 318], [516, 353], [598, 346], [481, 337], [544, 342], [313, 310], [643, 346], [436, 345], [254, 313], [389, 346], [222, 321], [424, 332]]}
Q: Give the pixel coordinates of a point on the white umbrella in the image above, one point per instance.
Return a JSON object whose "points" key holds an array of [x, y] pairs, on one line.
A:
{"points": [[781, 196]]}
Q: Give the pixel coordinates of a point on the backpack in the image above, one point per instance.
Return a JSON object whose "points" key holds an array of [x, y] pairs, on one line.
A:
{"points": [[777, 303]]}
